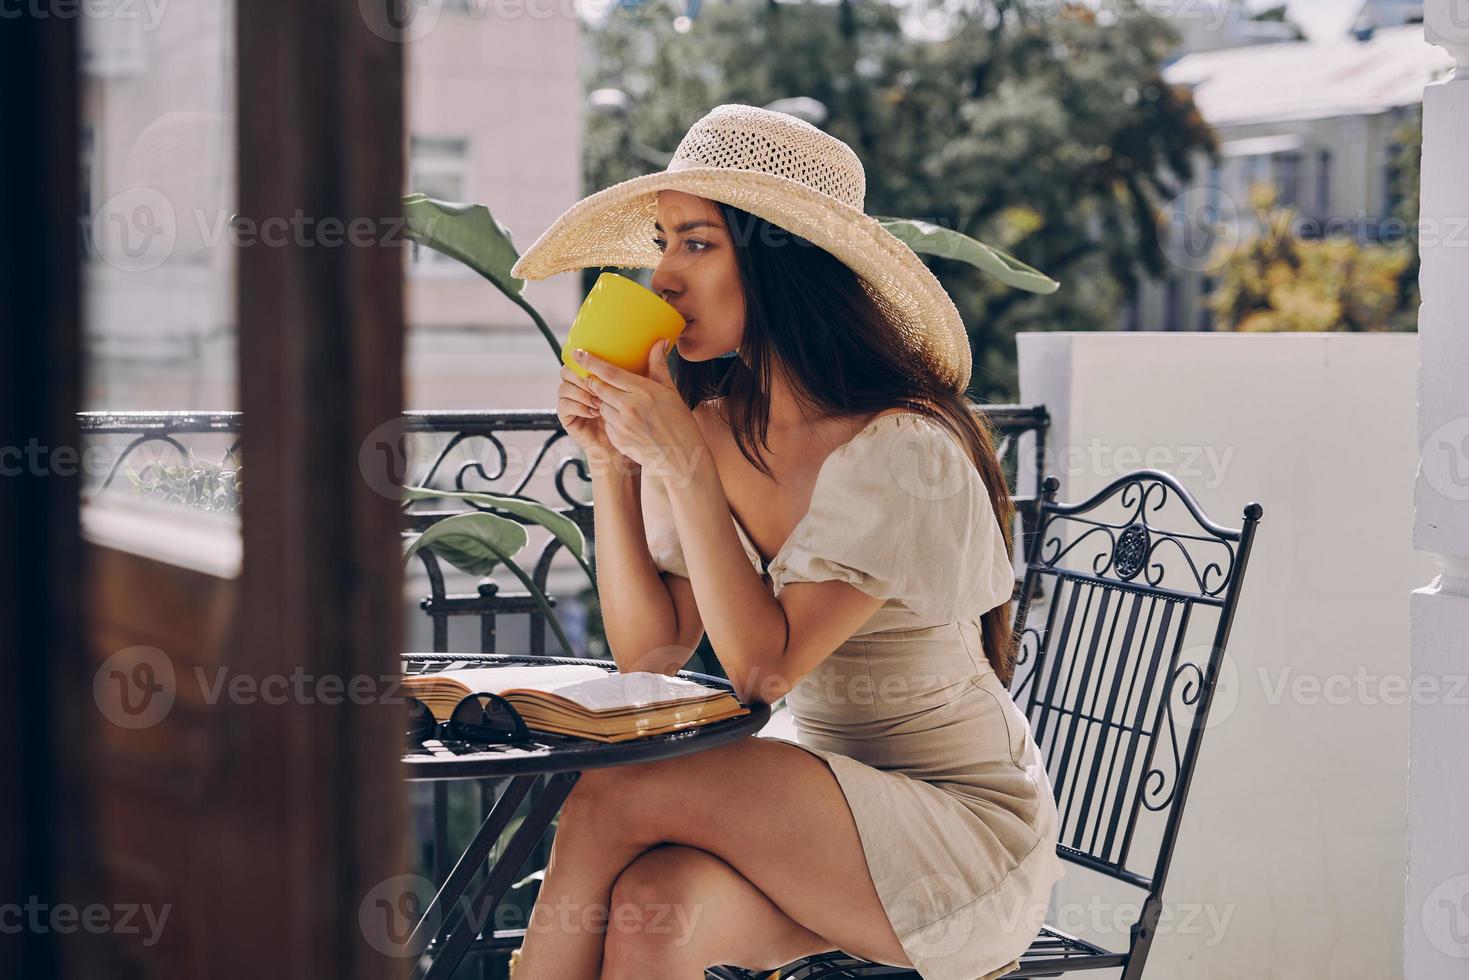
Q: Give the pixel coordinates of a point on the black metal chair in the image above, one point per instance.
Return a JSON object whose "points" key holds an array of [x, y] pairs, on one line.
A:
{"points": [[1123, 617]]}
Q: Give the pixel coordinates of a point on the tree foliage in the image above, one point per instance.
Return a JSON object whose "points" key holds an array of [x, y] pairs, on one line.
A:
{"points": [[1281, 281], [1036, 128]]}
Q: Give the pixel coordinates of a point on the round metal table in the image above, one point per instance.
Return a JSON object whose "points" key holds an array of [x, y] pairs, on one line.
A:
{"points": [[450, 923]]}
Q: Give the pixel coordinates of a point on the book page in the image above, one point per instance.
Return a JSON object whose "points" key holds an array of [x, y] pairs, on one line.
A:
{"points": [[590, 687], [637, 689]]}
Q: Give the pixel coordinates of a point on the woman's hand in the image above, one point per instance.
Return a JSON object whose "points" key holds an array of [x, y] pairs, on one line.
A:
{"points": [[580, 415], [645, 418]]}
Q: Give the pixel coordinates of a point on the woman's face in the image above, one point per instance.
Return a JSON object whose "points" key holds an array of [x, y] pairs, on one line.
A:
{"points": [[698, 274]]}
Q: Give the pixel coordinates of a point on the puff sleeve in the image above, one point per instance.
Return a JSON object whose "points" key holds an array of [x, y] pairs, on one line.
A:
{"points": [[900, 513], [658, 527]]}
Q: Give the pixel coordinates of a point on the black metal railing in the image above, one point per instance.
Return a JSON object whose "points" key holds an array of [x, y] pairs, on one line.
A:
{"points": [[194, 459]]}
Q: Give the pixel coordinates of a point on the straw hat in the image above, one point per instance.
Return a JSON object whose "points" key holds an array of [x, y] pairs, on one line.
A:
{"points": [[793, 175]]}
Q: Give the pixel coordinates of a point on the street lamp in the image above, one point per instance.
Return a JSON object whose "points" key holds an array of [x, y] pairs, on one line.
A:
{"points": [[804, 107], [616, 102]]}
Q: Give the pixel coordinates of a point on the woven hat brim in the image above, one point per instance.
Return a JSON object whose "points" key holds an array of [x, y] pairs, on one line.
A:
{"points": [[614, 228]]}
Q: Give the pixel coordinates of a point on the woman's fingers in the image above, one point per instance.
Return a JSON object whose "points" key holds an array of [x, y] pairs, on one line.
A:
{"points": [[577, 393], [575, 408], [607, 373]]}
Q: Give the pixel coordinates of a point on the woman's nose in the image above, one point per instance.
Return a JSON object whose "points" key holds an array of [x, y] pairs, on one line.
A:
{"points": [[664, 283]]}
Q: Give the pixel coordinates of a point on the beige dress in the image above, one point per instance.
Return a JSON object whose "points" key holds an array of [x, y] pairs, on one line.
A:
{"points": [[948, 790]]}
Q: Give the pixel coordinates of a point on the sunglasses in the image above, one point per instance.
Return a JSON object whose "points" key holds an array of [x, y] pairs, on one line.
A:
{"points": [[481, 718]]}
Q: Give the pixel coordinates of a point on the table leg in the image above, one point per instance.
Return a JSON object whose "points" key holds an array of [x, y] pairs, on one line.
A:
{"points": [[441, 833], [462, 924]]}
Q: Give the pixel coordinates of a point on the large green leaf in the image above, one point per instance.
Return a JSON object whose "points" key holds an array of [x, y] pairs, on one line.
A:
{"points": [[473, 543], [466, 232], [930, 239], [563, 527], [469, 234]]}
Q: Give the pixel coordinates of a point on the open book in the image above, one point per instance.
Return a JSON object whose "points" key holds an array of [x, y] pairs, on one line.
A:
{"points": [[582, 700]]}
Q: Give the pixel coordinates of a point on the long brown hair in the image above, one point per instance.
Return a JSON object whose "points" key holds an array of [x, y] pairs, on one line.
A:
{"points": [[809, 312]]}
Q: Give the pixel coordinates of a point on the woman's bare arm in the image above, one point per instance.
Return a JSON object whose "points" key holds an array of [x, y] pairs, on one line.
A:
{"points": [[765, 644], [639, 614]]}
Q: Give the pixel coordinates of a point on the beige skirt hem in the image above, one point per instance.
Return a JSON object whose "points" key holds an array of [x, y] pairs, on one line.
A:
{"points": [[970, 942]]}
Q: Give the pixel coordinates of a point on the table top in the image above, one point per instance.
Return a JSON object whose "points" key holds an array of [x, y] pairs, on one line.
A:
{"points": [[547, 752]]}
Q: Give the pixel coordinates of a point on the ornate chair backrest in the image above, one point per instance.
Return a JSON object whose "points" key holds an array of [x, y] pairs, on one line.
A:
{"points": [[1124, 613]]}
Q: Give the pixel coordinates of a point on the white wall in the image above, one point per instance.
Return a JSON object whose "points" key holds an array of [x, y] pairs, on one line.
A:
{"points": [[1291, 857], [1436, 910]]}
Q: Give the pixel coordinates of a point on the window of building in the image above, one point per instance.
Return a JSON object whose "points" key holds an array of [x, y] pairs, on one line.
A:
{"points": [[1287, 168], [1392, 173], [1323, 182], [439, 166]]}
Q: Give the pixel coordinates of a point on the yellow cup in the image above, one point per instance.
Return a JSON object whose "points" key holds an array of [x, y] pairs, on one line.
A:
{"points": [[620, 321]]}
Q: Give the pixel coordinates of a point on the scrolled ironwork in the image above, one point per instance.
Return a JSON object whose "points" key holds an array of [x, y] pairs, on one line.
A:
{"points": [[1129, 546], [1189, 694], [482, 435]]}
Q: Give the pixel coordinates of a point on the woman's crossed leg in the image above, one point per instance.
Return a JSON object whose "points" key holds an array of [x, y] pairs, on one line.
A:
{"points": [[769, 867]]}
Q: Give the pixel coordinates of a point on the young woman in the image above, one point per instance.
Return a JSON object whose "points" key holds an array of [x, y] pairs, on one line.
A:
{"points": [[808, 486]]}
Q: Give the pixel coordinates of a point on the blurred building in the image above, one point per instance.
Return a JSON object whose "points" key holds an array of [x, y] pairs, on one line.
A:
{"points": [[1210, 25], [494, 108], [1320, 121]]}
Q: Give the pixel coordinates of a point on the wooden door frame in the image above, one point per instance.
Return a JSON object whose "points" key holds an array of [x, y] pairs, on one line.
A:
{"points": [[43, 804], [304, 811], [321, 354]]}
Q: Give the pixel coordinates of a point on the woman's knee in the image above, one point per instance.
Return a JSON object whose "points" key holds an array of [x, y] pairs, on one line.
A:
{"points": [[657, 905]]}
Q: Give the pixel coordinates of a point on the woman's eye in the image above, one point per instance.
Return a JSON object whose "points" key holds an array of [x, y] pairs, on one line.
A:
{"points": [[661, 244]]}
